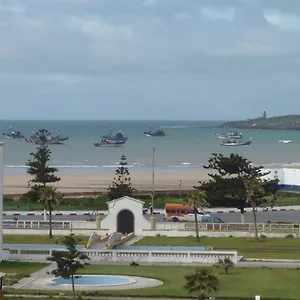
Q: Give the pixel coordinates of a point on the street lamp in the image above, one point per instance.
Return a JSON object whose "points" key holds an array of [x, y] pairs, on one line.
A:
{"points": [[180, 184]]}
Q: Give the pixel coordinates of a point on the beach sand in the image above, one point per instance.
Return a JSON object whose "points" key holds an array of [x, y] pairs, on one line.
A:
{"points": [[15, 184]]}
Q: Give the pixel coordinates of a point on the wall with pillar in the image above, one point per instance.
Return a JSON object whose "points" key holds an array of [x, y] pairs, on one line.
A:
{"points": [[1, 197], [4, 254]]}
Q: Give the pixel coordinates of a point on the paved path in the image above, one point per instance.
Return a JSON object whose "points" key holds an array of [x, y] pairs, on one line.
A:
{"points": [[28, 280]]}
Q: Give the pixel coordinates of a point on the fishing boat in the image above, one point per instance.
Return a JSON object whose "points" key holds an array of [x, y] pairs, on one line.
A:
{"points": [[112, 140], [13, 134], [44, 136], [151, 132], [230, 135], [236, 142]]}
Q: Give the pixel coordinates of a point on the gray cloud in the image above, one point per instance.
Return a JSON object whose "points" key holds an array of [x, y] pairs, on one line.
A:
{"points": [[159, 51]]}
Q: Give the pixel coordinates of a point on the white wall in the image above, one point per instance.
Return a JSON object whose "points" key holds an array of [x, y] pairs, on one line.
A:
{"points": [[125, 203], [1, 195], [275, 174], [291, 176], [286, 176]]}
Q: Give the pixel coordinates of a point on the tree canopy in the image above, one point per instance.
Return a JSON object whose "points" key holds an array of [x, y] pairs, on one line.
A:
{"points": [[121, 185], [227, 184], [39, 166]]}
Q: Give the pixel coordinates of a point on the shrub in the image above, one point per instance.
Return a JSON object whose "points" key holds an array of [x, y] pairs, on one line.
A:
{"points": [[289, 236]]}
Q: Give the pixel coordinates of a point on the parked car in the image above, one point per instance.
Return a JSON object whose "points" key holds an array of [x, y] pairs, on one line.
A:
{"points": [[191, 217], [210, 219]]}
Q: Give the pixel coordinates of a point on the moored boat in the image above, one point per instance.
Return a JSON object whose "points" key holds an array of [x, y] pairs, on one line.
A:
{"points": [[112, 140], [13, 134], [230, 135], [235, 142], [151, 132], [44, 136]]}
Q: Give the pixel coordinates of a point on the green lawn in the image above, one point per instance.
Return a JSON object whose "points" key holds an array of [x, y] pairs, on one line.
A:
{"points": [[39, 239], [18, 270], [241, 282], [280, 248]]}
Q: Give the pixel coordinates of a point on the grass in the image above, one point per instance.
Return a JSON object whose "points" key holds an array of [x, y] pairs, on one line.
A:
{"points": [[271, 248], [17, 270], [39, 239], [240, 284]]}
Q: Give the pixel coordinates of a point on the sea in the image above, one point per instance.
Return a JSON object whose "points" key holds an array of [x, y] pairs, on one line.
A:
{"points": [[187, 146]]}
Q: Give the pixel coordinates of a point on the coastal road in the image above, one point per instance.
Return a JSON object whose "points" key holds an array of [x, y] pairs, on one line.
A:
{"points": [[262, 217]]}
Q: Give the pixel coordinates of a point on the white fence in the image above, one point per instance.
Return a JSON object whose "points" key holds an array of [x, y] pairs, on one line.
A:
{"points": [[249, 227], [45, 225], [160, 226], [140, 256]]}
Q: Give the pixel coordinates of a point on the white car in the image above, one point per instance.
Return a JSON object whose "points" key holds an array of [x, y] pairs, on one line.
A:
{"points": [[191, 217]]}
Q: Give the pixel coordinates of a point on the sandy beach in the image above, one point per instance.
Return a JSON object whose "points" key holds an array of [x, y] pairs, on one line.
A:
{"points": [[77, 183]]}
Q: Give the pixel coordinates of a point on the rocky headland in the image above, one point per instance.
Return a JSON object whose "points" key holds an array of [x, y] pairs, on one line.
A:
{"points": [[290, 122]]}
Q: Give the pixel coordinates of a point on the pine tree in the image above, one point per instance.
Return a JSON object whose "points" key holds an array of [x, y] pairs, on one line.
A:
{"points": [[68, 262], [121, 186], [227, 185], [39, 167]]}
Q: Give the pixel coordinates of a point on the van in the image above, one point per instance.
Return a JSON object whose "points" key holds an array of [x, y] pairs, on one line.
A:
{"points": [[179, 212]]}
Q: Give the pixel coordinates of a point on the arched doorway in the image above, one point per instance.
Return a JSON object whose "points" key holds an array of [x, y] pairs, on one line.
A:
{"points": [[125, 221]]}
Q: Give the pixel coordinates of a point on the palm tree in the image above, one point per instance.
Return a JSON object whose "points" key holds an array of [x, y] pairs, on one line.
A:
{"points": [[203, 281], [254, 193], [196, 199], [50, 197], [225, 263]]}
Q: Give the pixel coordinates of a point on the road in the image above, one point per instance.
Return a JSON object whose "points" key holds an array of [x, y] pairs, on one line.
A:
{"points": [[262, 217]]}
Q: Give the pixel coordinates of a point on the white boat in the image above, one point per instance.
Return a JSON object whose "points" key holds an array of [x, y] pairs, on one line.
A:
{"points": [[236, 142], [285, 141], [230, 135]]}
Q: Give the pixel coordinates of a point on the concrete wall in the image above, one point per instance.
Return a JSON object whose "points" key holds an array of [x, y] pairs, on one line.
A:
{"points": [[109, 223], [1, 199], [106, 256]]}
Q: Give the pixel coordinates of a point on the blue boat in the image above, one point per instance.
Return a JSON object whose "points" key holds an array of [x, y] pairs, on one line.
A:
{"points": [[112, 140]]}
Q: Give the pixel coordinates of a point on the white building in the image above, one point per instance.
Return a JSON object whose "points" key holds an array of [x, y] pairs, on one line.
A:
{"points": [[288, 177], [125, 215]]}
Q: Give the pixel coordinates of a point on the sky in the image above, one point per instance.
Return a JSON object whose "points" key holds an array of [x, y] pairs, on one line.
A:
{"points": [[149, 59]]}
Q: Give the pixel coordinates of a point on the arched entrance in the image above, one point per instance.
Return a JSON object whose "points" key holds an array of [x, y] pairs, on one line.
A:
{"points": [[125, 221]]}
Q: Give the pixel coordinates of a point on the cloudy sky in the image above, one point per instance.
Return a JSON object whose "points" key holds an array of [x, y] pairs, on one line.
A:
{"points": [[149, 59]]}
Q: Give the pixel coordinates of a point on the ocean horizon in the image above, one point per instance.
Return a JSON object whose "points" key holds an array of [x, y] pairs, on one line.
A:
{"points": [[187, 146]]}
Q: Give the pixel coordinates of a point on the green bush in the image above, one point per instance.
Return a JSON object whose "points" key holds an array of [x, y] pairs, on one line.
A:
{"points": [[289, 236]]}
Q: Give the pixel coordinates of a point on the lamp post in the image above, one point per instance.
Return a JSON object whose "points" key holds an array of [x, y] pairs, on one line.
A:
{"points": [[152, 196], [152, 218], [180, 184]]}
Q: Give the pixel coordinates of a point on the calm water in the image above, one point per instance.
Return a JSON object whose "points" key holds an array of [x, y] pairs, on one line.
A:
{"points": [[184, 148], [93, 280]]}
